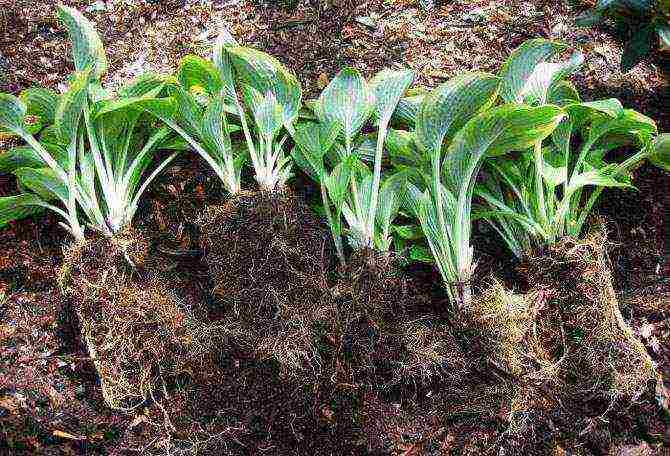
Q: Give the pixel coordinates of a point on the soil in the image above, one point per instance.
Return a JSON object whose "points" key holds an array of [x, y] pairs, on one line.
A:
{"points": [[50, 396]]}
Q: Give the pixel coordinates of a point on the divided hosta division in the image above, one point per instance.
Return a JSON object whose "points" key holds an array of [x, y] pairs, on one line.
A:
{"points": [[89, 164]]}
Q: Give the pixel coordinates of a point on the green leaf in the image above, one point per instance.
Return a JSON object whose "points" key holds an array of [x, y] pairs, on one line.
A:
{"points": [[338, 182], [18, 207], [445, 110], [19, 157], [563, 93], [88, 51], [223, 63], [40, 102], [522, 64], [496, 132], [44, 182], [407, 110], [267, 112], [388, 87], [266, 74], [148, 84], [420, 254], [195, 73], [347, 102], [545, 75], [12, 113], [71, 107], [215, 130], [660, 151]]}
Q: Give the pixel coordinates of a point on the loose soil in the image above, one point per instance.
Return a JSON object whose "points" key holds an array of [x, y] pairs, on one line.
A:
{"points": [[385, 397]]}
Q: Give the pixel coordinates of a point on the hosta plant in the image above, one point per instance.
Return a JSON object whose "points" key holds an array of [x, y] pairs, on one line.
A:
{"points": [[89, 161], [333, 151], [548, 192], [241, 88], [647, 22]]}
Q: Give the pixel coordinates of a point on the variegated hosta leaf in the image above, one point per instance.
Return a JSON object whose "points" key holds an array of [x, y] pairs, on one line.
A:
{"points": [[347, 102], [18, 207], [196, 74], [445, 110], [546, 74], [215, 130], [316, 138], [223, 64], [407, 110], [147, 84], [338, 182], [266, 74], [388, 87], [267, 112], [44, 182], [660, 151], [40, 102], [87, 48], [12, 114], [563, 93], [522, 63], [71, 107], [496, 132], [554, 169], [19, 157]]}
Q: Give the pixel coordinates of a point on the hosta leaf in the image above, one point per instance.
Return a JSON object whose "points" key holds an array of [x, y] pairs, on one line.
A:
{"points": [[40, 102], [87, 48], [347, 102], [316, 138], [18, 207], [525, 126], [195, 73], [554, 169], [267, 74], [148, 84], [388, 87], [12, 113], [445, 110], [215, 130], [660, 152], [43, 182], [338, 181], [421, 254], [71, 107], [545, 75], [407, 110], [267, 112], [563, 93], [222, 62], [187, 113], [521, 65], [19, 157], [495, 132]]}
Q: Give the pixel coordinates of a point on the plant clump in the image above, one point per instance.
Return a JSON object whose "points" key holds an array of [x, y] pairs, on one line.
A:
{"points": [[134, 329]]}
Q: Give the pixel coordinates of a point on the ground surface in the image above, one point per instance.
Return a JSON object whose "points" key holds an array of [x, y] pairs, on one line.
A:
{"points": [[44, 368]]}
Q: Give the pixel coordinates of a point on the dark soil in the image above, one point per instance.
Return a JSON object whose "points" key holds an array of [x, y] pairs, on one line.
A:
{"points": [[377, 389]]}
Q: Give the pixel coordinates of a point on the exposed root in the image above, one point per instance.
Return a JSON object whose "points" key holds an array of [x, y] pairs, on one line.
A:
{"points": [[133, 326], [268, 257]]}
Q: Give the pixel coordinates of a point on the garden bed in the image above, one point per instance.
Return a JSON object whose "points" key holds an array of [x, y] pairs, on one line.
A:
{"points": [[369, 359]]}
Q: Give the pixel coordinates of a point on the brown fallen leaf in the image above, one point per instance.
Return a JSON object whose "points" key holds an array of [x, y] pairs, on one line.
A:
{"points": [[322, 81], [9, 403]]}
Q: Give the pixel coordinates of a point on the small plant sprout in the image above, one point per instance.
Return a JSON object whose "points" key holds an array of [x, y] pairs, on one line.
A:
{"points": [[92, 151], [541, 196], [457, 128]]}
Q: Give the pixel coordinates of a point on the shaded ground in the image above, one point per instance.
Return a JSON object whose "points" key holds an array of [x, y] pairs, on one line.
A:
{"points": [[43, 366]]}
